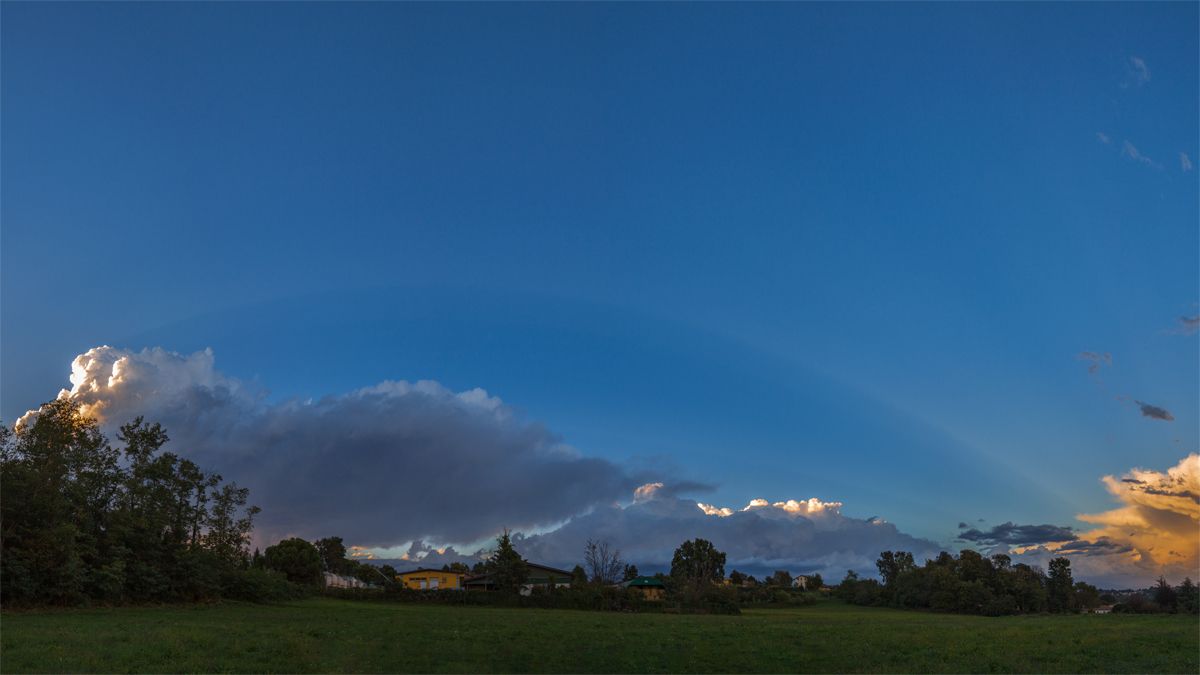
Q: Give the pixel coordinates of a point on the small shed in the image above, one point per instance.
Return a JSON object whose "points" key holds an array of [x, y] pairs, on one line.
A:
{"points": [[651, 588]]}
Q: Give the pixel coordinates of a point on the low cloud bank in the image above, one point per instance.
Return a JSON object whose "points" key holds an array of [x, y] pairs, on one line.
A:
{"points": [[1016, 535], [798, 536], [382, 465], [403, 464]]}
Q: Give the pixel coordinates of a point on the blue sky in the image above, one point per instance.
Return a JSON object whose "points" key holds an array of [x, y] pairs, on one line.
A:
{"points": [[792, 250]]}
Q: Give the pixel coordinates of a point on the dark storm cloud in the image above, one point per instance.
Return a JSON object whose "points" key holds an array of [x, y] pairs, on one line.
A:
{"points": [[419, 466], [1102, 546], [380, 466], [1155, 412], [1018, 535]]}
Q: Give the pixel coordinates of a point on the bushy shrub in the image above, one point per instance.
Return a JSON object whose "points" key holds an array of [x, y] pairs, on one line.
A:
{"points": [[259, 585], [705, 600], [1001, 605], [804, 598]]}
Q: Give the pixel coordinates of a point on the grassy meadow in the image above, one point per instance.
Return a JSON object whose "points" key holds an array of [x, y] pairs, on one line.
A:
{"points": [[326, 635]]}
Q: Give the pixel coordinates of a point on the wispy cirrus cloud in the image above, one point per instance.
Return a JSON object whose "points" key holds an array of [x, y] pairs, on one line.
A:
{"points": [[1137, 73], [1130, 150], [1096, 360], [1103, 137], [1188, 325], [1185, 162]]}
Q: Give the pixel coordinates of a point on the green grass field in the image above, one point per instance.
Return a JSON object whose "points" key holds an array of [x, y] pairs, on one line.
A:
{"points": [[325, 635]]}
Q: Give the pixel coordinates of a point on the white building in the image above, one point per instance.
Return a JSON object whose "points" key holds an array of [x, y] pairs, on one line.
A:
{"points": [[800, 581], [338, 581]]}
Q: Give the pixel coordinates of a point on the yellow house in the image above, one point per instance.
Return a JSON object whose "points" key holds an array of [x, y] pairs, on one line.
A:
{"points": [[425, 579]]}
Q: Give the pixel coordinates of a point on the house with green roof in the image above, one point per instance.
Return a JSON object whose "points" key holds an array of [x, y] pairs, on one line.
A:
{"points": [[651, 588]]}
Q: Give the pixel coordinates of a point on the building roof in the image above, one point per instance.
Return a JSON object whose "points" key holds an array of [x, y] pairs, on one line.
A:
{"points": [[427, 569], [545, 568], [484, 578], [644, 582]]}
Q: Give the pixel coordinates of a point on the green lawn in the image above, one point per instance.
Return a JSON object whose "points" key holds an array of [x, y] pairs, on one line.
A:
{"points": [[324, 635]]}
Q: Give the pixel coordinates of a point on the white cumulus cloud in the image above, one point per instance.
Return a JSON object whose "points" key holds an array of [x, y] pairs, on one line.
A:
{"points": [[1155, 530], [801, 536]]}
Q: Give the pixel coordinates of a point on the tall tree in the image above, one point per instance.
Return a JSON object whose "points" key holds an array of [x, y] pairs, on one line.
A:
{"points": [[780, 578], [603, 562], [1059, 585], [507, 567], [80, 518], [578, 577], [1164, 595], [295, 558], [697, 562], [1189, 596], [892, 564], [229, 524], [333, 554]]}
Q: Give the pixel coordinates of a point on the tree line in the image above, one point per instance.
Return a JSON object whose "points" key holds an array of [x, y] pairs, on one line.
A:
{"points": [[971, 583], [83, 520]]}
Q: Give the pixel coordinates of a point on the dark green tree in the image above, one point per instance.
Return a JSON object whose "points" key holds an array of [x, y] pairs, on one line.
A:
{"points": [[631, 572], [229, 524], [780, 578], [1028, 588], [82, 519], [579, 577], [333, 555], [1189, 597], [892, 564], [296, 559], [507, 567], [1059, 585], [1086, 596], [697, 562], [974, 567], [1165, 596]]}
